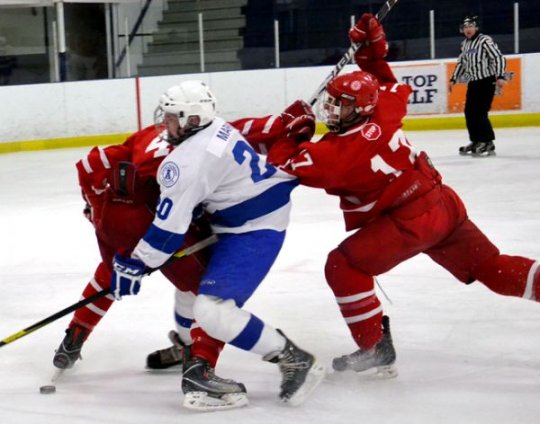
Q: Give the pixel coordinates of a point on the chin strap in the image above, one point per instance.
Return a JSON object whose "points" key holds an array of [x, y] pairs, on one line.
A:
{"points": [[351, 121], [187, 133]]}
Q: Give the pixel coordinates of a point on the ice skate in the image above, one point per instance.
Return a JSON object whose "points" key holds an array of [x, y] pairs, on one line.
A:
{"points": [[381, 357], [466, 150], [69, 350], [301, 373], [169, 358], [205, 391], [484, 149]]}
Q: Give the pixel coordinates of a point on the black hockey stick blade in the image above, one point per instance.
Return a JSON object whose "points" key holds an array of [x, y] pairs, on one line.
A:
{"points": [[386, 7], [180, 254]]}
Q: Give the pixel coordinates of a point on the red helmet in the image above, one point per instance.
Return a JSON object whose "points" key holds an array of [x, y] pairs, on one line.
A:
{"points": [[358, 87]]}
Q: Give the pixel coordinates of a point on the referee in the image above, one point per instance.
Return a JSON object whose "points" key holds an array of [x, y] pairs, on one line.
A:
{"points": [[482, 66]]}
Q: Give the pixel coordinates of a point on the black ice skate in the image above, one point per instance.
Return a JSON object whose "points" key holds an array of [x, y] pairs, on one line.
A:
{"points": [[381, 357], [205, 391], [169, 358], [484, 149], [301, 373], [467, 150], [69, 350]]}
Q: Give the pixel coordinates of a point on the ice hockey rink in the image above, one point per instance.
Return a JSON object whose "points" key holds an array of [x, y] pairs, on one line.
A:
{"points": [[465, 355]]}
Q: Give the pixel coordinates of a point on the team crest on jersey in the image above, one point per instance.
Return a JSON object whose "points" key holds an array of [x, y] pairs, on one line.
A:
{"points": [[169, 174], [371, 131]]}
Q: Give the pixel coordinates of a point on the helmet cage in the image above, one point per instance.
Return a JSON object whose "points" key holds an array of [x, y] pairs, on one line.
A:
{"points": [[328, 111], [358, 88]]}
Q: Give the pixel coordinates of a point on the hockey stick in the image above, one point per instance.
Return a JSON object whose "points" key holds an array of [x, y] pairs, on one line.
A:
{"points": [[180, 254], [386, 7]]}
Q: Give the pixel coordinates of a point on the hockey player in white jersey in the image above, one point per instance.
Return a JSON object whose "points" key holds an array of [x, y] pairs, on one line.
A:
{"points": [[248, 203]]}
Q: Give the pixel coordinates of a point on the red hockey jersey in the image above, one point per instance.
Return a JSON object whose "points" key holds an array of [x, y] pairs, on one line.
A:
{"points": [[371, 166], [145, 150]]}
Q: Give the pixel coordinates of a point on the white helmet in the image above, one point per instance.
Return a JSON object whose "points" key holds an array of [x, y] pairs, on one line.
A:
{"points": [[189, 98]]}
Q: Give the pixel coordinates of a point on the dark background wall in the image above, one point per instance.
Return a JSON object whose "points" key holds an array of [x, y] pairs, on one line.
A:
{"points": [[311, 32], [315, 31]]}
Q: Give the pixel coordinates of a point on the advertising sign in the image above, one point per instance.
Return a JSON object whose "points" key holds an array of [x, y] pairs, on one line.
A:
{"points": [[428, 84]]}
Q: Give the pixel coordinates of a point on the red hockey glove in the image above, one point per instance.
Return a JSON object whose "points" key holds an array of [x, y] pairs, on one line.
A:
{"points": [[301, 128], [87, 212], [367, 28], [295, 109], [299, 121], [93, 207], [358, 33]]}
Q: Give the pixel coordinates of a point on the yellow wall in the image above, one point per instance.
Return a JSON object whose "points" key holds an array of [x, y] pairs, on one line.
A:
{"points": [[411, 124]]}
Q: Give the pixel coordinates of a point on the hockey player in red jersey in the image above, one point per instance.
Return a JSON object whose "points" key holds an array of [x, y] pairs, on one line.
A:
{"points": [[392, 199], [119, 186]]}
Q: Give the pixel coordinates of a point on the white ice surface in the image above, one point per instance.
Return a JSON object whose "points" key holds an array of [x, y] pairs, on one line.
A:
{"points": [[465, 355]]}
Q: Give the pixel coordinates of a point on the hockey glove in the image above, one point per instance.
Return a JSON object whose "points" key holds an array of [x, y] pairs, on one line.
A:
{"points": [[299, 121], [367, 28], [93, 207], [127, 275], [87, 212], [297, 108]]}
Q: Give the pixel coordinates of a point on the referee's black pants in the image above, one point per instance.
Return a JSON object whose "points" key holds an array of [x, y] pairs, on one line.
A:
{"points": [[477, 105]]}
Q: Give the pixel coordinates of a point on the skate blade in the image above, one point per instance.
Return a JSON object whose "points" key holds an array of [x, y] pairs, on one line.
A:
{"points": [[313, 379], [58, 373], [381, 372], [483, 155], [385, 372], [175, 369], [200, 401]]}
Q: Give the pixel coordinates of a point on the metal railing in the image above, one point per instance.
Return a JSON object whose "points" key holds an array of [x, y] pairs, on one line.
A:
{"points": [[280, 38], [130, 36]]}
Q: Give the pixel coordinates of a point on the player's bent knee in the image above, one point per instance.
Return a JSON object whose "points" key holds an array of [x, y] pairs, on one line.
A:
{"points": [[220, 318], [205, 309], [341, 275]]}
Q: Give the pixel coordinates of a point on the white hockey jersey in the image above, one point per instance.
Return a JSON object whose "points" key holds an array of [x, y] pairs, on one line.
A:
{"points": [[218, 169]]}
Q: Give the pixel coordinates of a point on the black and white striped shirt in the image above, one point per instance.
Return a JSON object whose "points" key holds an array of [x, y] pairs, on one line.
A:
{"points": [[479, 58]]}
